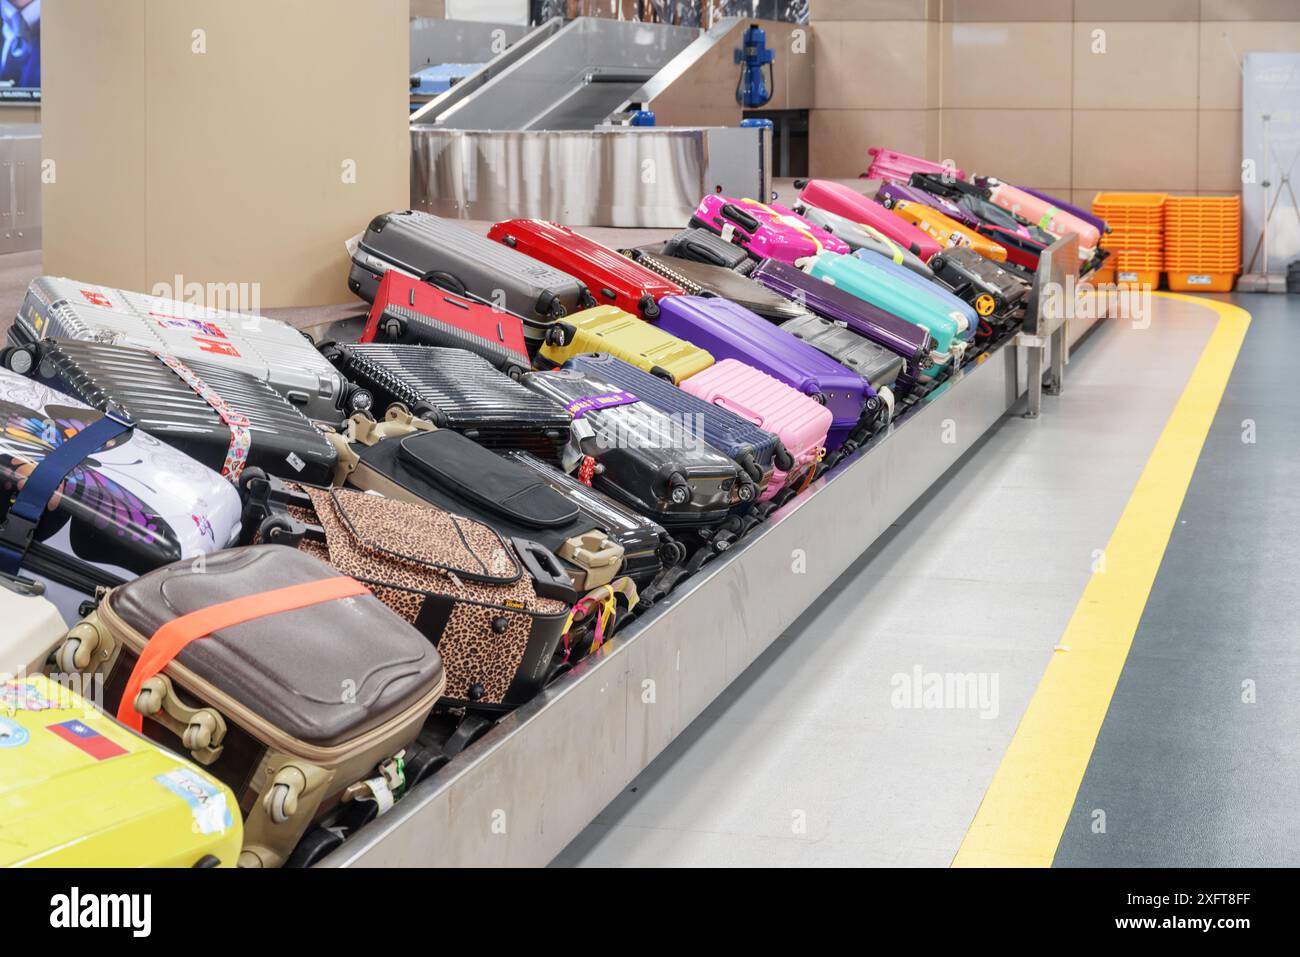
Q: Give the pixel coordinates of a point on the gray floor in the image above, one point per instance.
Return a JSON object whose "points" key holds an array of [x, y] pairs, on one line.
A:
{"points": [[1187, 771], [806, 760]]}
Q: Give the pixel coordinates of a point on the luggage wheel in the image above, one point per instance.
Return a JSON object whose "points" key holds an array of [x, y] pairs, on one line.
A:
{"points": [[392, 328], [280, 530], [672, 553]]}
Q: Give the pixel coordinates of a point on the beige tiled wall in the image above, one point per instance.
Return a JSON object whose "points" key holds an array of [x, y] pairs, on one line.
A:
{"points": [[1073, 96]]}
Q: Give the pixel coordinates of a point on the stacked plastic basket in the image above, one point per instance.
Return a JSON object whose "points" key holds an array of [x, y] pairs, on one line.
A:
{"points": [[1137, 236], [1203, 242]]}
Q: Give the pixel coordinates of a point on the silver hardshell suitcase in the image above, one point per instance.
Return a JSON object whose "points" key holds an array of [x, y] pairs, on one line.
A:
{"points": [[271, 350], [874, 363], [463, 262]]}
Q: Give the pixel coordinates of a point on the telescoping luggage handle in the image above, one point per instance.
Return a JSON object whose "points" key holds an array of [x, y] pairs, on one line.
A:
{"points": [[172, 638], [29, 505]]}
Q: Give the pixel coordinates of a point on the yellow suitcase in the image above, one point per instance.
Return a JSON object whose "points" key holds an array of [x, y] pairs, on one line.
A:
{"points": [[79, 790], [635, 341], [947, 230]]}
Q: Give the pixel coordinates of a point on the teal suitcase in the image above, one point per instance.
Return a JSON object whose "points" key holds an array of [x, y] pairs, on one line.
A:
{"points": [[947, 325]]}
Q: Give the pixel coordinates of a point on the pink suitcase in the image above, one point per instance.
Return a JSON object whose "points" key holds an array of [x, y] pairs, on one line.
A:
{"points": [[799, 421], [1044, 215], [764, 231], [849, 203], [896, 167]]}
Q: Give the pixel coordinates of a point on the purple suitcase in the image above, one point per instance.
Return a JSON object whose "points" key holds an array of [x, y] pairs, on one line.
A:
{"points": [[890, 193], [729, 331], [899, 336]]}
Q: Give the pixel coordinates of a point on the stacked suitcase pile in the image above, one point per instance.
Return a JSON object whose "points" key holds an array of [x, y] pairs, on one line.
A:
{"points": [[534, 438]]}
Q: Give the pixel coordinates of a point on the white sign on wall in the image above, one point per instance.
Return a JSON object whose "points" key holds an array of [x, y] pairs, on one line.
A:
{"points": [[1270, 150]]}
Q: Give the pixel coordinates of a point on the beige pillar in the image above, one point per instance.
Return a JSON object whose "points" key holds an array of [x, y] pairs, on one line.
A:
{"points": [[238, 142]]}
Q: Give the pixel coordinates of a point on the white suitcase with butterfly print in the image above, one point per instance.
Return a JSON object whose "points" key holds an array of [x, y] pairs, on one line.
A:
{"points": [[269, 349], [132, 506]]}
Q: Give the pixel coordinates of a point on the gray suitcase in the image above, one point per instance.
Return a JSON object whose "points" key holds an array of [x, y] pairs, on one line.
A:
{"points": [[874, 363], [267, 349], [463, 262]]}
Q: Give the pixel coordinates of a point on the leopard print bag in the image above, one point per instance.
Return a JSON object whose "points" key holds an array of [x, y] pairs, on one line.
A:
{"points": [[456, 580]]}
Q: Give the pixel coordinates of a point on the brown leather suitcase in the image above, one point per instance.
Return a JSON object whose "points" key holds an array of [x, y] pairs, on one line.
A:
{"points": [[298, 688]]}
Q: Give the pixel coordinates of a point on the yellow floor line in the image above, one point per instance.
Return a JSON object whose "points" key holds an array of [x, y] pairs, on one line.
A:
{"points": [[1028, 802]]}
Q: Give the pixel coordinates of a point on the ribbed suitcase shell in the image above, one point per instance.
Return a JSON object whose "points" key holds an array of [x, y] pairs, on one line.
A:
{"points": [[610, 329], [861, 236], [766, 231], [931, 289], [874, 363], [946, 230], [753, 448], [407, 310], [730, 331], [703, 246], [905, 339], [801, 423], [889, 292], [963, 268], [458, 390], [613, 280], [892, 165], [422, 245], [114, 800], [639, 449], [156, 399], [702, 279], [266, 348], [849, 203]]}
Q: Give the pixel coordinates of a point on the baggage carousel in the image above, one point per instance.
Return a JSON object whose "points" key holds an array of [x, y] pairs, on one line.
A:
{"points": [[522, 792]]}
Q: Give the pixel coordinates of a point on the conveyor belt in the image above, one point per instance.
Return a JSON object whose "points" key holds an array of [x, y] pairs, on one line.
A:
{"points": [[519, 795]]}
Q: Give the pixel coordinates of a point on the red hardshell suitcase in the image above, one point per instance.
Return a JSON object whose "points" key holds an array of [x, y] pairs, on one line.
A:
{"points": [[412, 312], [613, 279]]}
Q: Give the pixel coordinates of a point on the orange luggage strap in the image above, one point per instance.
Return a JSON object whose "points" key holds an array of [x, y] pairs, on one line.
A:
{"points": [[169, 640]]}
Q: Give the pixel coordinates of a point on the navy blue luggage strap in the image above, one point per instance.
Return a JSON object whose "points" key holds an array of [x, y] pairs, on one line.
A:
{"points": [[20, 524]]}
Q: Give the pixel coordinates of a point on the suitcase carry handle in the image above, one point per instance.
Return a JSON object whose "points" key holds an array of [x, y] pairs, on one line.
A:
{"points": [[740, 217], [743, 411], [549, 577]]}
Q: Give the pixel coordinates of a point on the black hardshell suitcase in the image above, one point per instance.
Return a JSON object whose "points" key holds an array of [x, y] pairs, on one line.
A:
{"points": [[464, 262], [756, 451], [521, 497], [703, 246], [703, 279], [874, 363], [639, 456], [995, 293], [220, 416], [458, 390]]}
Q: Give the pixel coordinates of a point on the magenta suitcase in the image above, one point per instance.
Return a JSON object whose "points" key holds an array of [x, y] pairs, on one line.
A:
{"points": [[801, 423], [728, 331], [849, 203], [764, 231], [896, 167]]}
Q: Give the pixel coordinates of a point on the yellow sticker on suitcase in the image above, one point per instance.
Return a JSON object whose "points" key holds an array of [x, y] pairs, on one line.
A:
{"points": [[79, 790]]}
